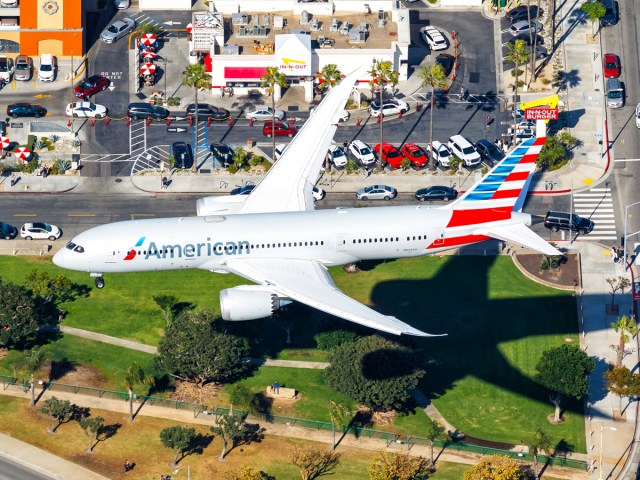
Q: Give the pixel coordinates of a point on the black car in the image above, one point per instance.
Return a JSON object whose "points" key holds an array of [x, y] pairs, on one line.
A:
{"points": [[446, 61], [222, 153], [528, 40], [138, 110], [436, 192], [182, 154], [7, 231], [611, 13], [206, 110], [26, 110], [489, 151], [520, 13], [246, 190], [566, 221]]}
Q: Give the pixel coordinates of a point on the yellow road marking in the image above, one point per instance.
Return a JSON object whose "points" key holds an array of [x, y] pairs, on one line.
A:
{"points": [[81, 215], [25, 214]]}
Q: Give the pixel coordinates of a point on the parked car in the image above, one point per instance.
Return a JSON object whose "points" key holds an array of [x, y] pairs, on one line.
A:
{"points": [[182, 154], [462, 148], [440, 152], [117, 30], [138, 110], [436, 192], [24, 68], [206, 110], [610, 13], [362, 152], [262, 113], [528, 40], [521, 12], [615, 93], [540, 51], [433, 38], [524, 26], [389, 107], [8, 3], [337, 155], [278, 129], [638, 115], [16, 110], [48, 67], [8, 232], [122, 4], [566, 221], [376, 192], [389, 155], [40, 231], [611, 65], [244, 190], [86, 110], [222, 153], [489, 151], [446, 61], [415, 155], [318, 193], [91, 86], [6, 69]]}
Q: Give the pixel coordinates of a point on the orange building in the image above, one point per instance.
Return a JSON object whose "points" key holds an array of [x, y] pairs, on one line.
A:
{"points": [[43, 26]]}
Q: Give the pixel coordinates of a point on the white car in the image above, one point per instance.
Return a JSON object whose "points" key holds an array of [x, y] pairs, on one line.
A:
{"points": [[117, 30], [638, 115], [434, 38], [524, 27], [6, 69], [441, 153], [318, 193], [47, 70], [463, 149], [337, 155], [261, 113], [40, 231], [362, 152], [389, 107], [122, 4], [86, 110]]}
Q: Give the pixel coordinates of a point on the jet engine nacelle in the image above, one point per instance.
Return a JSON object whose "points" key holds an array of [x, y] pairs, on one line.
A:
{"points": [[249, 302]]}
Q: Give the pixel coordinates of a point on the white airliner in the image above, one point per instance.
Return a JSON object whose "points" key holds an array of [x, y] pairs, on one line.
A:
{"points": [[275, 238]]}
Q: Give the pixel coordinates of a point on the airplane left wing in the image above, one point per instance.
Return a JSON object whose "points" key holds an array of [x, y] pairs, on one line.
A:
{"points": [[308, 282]]}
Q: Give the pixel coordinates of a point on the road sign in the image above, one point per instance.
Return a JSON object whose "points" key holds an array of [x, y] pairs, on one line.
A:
{"points": [[541, 113], [176, 129]]}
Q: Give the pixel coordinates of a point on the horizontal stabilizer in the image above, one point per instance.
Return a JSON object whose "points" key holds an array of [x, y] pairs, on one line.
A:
{"points": [[521, 235]]}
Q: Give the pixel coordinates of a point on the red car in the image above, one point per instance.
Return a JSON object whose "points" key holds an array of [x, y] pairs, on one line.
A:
{"points": [[390, 155], [281, 129], [91, 86], [611, 65], [415, 155]]}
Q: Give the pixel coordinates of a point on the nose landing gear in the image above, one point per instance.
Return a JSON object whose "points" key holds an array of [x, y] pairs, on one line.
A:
{"points": [[99, 280]]}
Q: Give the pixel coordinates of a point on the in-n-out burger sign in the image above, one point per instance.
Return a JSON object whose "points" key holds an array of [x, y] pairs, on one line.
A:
{"points": [[541, 113]]}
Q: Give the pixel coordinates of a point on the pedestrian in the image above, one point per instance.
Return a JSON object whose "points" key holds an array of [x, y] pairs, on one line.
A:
{"points": [[614, 254], [620, 254], [345, 144], [488, 120], [127, 466], [462, 91], [230, 90], [276, 387]]}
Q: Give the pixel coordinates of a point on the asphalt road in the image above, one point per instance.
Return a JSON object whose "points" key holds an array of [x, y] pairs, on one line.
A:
{"points": [[10, 470]]}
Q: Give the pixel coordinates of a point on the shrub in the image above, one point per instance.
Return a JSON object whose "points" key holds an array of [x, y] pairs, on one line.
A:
{"points": [[513, 72], [334, 338], [232, 168], [54, 138]]}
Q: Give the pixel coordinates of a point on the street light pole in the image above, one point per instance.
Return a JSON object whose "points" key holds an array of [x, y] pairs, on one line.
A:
{"points": [[601, 436], [624, 254]]}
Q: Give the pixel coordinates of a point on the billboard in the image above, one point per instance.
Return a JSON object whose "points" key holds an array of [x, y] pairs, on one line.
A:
{"points": [[541, 113]]}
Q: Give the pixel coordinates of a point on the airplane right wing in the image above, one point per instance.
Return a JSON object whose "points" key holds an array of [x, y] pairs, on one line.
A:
{"points": [[309, 282]]}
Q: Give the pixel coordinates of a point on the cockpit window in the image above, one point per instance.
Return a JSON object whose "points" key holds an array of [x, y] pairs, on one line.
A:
{"points": [[70, 245], [79, 249]]}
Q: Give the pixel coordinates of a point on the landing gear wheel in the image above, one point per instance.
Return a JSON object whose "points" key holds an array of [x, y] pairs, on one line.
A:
{"points": [[99, 282]]}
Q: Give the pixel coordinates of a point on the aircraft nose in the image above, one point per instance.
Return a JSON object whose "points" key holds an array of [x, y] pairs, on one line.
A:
{"points": [[59, 258]]}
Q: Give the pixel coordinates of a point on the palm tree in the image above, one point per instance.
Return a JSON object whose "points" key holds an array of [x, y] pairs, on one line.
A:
{"points": [[382, 73], [517, 53], [135, 376], [432, 76], [196, 77], [625, 326], [35, 359], [328, 77], [595, 11], [434, 432], [539, 443], [341, 415], [269, 80]]}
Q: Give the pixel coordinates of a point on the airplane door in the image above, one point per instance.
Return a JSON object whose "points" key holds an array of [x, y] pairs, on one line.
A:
{"points": [[111, 254], [341, 242]]}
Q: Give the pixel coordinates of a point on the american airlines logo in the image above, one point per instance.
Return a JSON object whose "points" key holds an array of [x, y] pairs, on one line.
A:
{"points": [[189, 250]]}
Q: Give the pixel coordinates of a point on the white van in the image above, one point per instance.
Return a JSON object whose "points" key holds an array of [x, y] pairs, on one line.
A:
{"points": [[463, 149]]}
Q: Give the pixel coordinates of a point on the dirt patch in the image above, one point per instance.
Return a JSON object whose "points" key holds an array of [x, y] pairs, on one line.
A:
{"points": [[75, 375], [3, 353], [190, 392], [566, 275]]}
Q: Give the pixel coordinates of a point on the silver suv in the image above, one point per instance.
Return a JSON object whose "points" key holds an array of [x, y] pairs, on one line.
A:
{"points": [[615, 93], [24, 66]]}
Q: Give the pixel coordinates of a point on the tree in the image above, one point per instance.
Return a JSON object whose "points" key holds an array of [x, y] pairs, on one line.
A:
{"points": [[432, 76], [195, 348], [195, 76], [616, 284], [374, 371], [568, 140], [623, 383], [313, 462], [242, 396], [269, 81], [135, 376], [20, 317], [398, 466], [230, 430], [166, 303], [382, 73], [517, 53], [552, 153], [563, 371], [433, 432], [328, 77], [92, 426], [595, 11], [539, 442], [247, 473], [626, 327], [49, 289], [495, 467], [178, 439], [341, 414], [34, 359], [58, 410]]}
